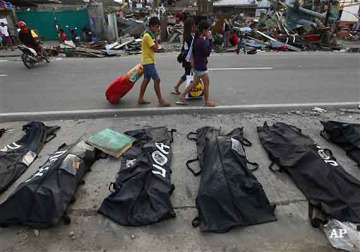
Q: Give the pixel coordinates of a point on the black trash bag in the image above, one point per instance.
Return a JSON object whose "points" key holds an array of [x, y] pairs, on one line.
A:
{"points": [[141, 193], [229, 194], [346, 135], [330, 190], [16, 157], [41, 201]]}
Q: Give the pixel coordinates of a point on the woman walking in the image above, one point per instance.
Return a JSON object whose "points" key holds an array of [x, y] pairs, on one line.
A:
{"points": [[188, 36], [202, 47]]}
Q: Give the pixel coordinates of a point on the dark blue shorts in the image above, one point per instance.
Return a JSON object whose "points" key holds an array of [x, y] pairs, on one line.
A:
{"points": [[150, 72]]}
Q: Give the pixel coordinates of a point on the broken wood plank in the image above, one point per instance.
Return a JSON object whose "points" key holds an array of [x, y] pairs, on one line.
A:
{"points": [[290, 47]]}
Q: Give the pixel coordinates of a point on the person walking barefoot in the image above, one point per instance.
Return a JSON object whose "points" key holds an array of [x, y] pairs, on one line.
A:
{"points": [[201, 51], [149, 47]]}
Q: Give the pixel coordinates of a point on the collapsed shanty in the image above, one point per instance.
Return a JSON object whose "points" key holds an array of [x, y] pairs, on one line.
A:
{"points": [[244, 26], [290, 25]]}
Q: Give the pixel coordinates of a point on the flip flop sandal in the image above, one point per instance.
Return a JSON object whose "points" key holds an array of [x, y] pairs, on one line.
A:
{"points": [[183, 103]]}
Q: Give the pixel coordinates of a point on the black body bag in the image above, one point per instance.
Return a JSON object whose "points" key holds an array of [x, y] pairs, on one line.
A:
{"points": [[330, 190], [16, 157], [346, 135], [229, 194], [2, 131], [141, 193], [42, 200]]}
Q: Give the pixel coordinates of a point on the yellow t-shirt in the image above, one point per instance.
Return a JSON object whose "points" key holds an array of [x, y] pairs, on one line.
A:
{"points": [[148, 54]]}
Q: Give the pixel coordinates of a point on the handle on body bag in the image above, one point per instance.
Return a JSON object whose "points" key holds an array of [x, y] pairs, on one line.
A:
{"points": [[196, 173]]}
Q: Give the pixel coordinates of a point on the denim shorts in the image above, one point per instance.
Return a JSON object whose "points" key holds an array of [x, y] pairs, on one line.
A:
{"points": [[200, 73], [150, 72]]}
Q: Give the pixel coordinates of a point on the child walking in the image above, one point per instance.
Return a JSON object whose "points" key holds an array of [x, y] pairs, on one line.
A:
{"points": [[188, 36], [201, 51], [149, 47]]}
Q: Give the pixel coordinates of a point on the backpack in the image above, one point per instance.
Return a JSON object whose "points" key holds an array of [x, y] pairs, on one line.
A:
{"points": [[141, 193], [185, 55], [16, 157], [41, 201], [237, 198]]}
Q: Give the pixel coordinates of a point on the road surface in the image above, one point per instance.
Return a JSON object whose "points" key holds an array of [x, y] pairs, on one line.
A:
{"points": [[267, 78]]}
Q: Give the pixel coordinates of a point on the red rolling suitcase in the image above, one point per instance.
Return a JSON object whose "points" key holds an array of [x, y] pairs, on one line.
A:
{"points": [[123, 84], [118, 88]]}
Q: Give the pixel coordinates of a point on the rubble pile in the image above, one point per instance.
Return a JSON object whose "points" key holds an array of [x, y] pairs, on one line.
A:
{"points": [[129, 43], [292, 26], [100, 49]]}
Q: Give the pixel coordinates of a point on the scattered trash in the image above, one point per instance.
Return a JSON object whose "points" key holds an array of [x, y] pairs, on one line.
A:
{"points": [[319, 110], [355, 111], [72, 235], [314, 113], [282, 26], [36, 232], [343, 235]]}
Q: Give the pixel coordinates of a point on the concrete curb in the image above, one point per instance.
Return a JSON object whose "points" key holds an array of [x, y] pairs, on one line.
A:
{"points": [[103, 113], [10, 55]]}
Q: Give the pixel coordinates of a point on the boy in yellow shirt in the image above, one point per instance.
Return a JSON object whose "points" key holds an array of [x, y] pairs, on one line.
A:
{"points": [[149, 46]]}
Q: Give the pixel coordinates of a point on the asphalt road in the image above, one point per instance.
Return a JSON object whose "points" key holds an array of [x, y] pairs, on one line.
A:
{"points": [[277, 78]]}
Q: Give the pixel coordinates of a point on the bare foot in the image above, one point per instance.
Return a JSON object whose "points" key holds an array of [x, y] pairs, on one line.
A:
{"points": [[143, 102], [164, 104], [176, 91], [210, 104]]}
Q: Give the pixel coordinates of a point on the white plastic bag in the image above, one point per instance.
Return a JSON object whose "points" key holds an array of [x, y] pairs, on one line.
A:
{"points": [[342, 235]]}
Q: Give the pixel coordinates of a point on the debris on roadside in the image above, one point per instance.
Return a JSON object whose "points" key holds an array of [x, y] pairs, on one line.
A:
{"points": [[292, 25], [72, 235], [354, 111], [296, 112], [319, 110], [36, 232]]}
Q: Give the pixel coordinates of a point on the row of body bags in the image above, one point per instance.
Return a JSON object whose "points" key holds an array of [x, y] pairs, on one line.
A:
{"points": [[229, 194]]}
